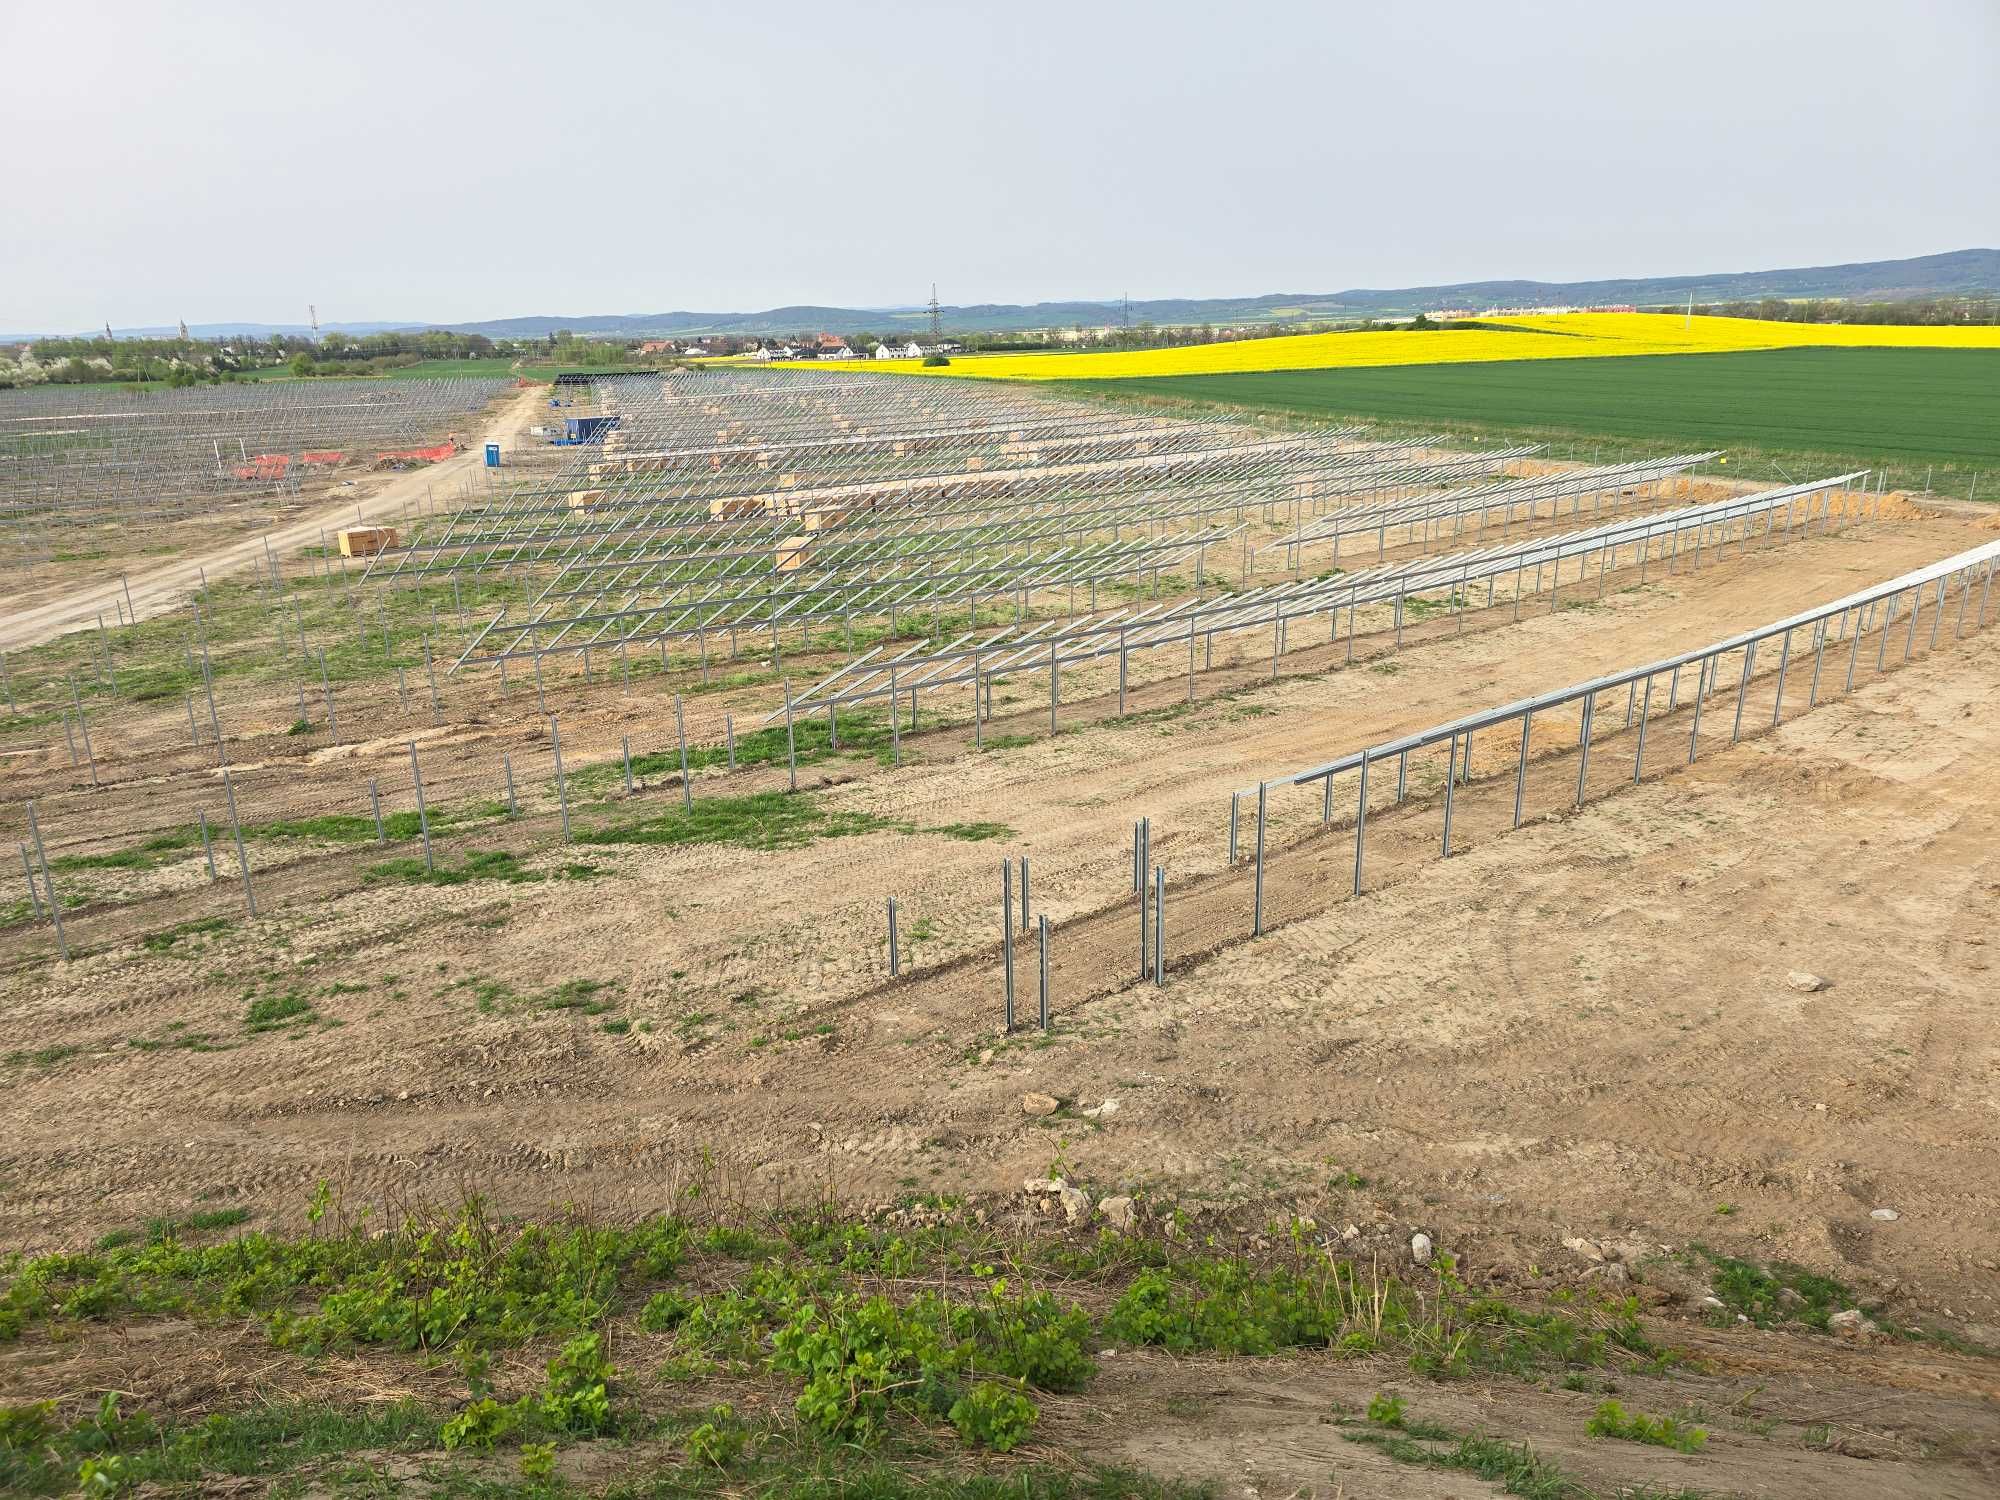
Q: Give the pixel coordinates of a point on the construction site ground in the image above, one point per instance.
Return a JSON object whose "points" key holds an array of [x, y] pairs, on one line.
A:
{"points": [[1574, 1035]]}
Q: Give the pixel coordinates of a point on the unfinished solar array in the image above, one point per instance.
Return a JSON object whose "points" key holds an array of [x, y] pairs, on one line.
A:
{"points": [[86, 455], [749, 510], [766, 511]]}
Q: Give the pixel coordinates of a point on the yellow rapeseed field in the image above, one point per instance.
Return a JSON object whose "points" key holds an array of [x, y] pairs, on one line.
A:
{"points": [[1565, 336]]}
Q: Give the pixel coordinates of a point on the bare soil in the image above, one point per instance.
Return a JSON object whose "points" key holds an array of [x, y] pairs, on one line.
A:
{"points": [[1580, 1028]]}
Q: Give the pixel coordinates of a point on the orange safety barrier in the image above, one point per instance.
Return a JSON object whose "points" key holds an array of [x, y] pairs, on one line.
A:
{"points": [[441, 452]]}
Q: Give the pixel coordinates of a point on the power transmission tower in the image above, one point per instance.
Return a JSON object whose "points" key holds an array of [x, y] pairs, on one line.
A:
{"points": [[937, 316], [313, 313]]}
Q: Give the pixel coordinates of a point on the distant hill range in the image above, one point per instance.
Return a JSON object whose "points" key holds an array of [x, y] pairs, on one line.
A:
{"points": [[1960, 273]]}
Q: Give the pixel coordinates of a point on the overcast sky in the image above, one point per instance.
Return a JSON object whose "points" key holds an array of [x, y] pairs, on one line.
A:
{"points": [[221, 162]]}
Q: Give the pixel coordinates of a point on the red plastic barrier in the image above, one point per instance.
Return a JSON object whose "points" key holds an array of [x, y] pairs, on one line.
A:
{"points": [[438, 454]]}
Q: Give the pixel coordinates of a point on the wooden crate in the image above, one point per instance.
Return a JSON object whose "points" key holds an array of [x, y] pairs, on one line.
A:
{"points": [[366, 541]]}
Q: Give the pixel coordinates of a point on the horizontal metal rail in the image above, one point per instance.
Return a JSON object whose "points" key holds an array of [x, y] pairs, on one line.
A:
{"points": [[1847, 619], [1666, 535]]}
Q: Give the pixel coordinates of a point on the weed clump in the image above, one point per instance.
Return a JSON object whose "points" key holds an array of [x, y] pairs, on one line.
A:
{"points": [[1612, 1421], [278, 1012], [762, 821]]}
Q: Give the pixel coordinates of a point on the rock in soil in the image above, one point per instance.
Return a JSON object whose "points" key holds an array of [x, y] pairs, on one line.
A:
{"points": [[1120, 1213]]}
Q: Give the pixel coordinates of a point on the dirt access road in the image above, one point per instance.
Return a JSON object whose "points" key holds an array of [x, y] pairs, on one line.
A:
{"points": [[162, 588]]}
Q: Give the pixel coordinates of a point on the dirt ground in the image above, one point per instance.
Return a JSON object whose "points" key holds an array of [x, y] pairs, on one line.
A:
{"points": [[1580, 1030]]}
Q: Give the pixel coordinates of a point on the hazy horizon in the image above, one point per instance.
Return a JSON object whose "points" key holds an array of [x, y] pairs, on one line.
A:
{"points": [[390, 165]]}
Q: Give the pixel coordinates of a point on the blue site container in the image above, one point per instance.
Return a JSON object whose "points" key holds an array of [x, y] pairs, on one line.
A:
{"points": [[578, 431]]}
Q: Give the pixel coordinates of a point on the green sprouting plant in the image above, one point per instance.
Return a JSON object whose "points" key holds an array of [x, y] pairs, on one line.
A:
{"points": [[538, 1462], [736, 1242], [101, 1476], [1385, 1410], [991, 1415], [482, 1424], [719, 1441], [26, 1426], [1611, 1420], [1059, 1168], [475, 1364], [577, 1396], [665, 1310]]}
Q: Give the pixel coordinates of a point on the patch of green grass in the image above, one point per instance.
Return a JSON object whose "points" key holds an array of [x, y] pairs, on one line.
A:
{"points": [[297, 1448], [357, 828], [1221, 1304], [43, 1057], [973, 833], [143, 856], [1781, 1293], [339, 828], [160, 1231], [121, 1453], [876, 1334], [278, 1012], [577, 994], [491, 864], [163, 942], [1611, 1420], [494, 997], [861, 733], [1515, 1467], [762, 821]]}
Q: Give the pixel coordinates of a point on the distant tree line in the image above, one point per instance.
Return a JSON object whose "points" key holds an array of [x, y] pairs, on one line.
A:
{"points": [[1919, 311], [182, 362]]}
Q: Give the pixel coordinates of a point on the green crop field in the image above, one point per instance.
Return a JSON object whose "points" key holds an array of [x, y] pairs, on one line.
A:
{"points": [[1908, 409]]}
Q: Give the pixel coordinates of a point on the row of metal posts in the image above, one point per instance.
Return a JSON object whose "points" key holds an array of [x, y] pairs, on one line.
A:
{"points": [[1142, 833], [1852, 624], [1459, 601]]}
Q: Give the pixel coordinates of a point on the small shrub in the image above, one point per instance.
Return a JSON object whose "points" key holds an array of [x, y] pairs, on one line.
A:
{"points": [[665, 1310], [26, 1426], [577, 1397], [719, 1441], [1385, 1410], [481, 1425], [991, 1415], [101, 1476]]}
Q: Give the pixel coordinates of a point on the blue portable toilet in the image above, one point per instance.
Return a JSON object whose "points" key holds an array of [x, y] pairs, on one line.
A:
{"points": [[492, 455]]}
